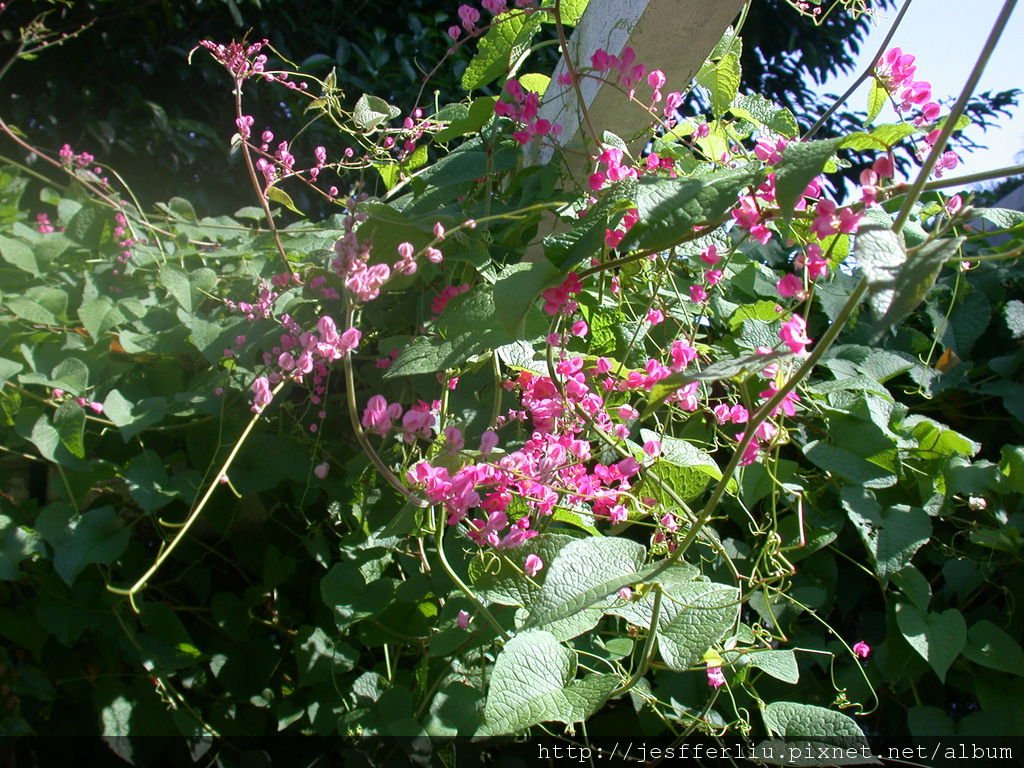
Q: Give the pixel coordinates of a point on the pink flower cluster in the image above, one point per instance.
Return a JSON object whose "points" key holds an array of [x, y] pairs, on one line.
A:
{"points": [[555, 467], [364, 280], [522, 110], [68, 156], [561, 297], [470, 16], [896, 70], [301, 353], [242, 61], [419, 422], [43, 224], [624, 68], [124, 240]]}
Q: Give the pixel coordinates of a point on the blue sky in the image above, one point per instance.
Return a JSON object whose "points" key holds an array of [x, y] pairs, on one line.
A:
{"points": [[946, 37]]}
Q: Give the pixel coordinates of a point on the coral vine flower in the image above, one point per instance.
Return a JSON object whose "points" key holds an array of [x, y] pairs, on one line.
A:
{"points": [[794, 335]]}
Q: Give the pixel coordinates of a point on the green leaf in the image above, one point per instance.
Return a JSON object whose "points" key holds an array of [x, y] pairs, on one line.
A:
{"points": [[345, 591], [1011, 467], [880, 253], [1002, 218], [133, 418], [187, 289], [936, 440], [69, 421], [30, 310], [910, 284], [801, 162], [516, 290], [147, 479], [912, 583], [760, 111], [8, 368], [18, 254], [877, 97], [694, 617], [779, 664], [78, 541], [508, 38], [533, 682], [670, 208], [565, 249], [99, 315], [585, 572], [535, 83], [683, 466], [278, 195], [503, 582], [571, 11], [892, 535], [937, 637], [318, 656], [86, 226], [991, 647], [17, 544], [371, 111], [480, 111], [722, 79], [804, 729], [850, 465], [70, 374]]}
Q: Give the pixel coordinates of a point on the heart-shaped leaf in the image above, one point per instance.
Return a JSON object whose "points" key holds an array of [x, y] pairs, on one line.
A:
{"points": [[533, 682], [938, 637]]}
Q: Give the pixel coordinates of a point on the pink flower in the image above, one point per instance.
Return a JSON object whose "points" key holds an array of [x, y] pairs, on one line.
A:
{"points": [[321, 470], [861, 650], [378, 415], [697, 294], [716, 679], [533, 565], [261, 394], [469, 16], [488, 442], [655, 317], [462, 620], [794, 335], [789, 286]]}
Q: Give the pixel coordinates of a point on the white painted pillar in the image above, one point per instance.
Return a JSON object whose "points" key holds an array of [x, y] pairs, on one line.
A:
{"points": [[674, 36]]}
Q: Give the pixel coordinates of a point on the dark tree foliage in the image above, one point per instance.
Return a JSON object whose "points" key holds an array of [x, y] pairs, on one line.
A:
{"points": [[785, 54], [124, 90]]}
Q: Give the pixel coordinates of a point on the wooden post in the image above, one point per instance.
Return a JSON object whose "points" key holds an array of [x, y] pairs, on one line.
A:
{"points": [[674, 36]]}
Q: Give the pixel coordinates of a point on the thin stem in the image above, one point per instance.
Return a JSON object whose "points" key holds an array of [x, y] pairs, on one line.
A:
{"points": [[567, 57], [469, 593], [863, 75], [648, 651], [357, 427], [194, 515], [264, 202], [971, 178], [958, 109]]}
